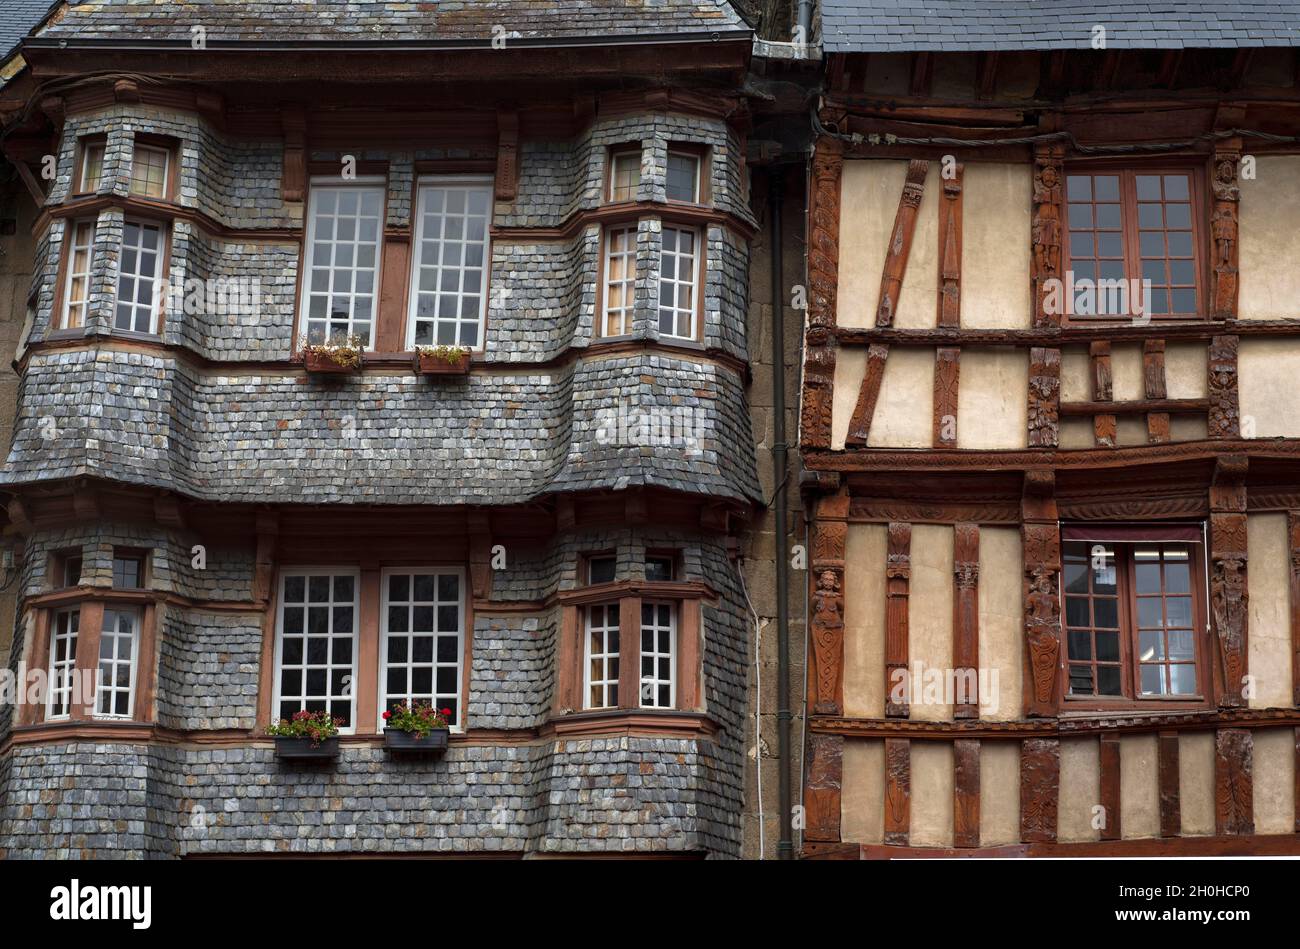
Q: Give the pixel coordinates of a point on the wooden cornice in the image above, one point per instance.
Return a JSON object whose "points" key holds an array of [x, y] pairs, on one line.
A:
{"points": [[83, 593], [1065, 726], [601, 592], [165, 210]]}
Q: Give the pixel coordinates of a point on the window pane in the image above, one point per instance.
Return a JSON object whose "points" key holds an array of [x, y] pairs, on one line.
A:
{"points": [[1108, 680], [683, 177], [1105, 613], [1080, 644], [1107, 646], [1184, 679]]}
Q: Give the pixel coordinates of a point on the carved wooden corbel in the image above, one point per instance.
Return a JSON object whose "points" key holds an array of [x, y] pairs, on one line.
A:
{"points": [[900, 241], [479, 527], [507, 176], [267, 528], [293, 124]]}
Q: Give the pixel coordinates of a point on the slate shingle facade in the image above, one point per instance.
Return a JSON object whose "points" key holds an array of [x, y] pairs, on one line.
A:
{"points": [[219, 414]]}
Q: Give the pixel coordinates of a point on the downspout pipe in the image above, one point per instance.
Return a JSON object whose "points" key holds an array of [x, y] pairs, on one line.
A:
{"points": [[780, 470], [804, 19]]}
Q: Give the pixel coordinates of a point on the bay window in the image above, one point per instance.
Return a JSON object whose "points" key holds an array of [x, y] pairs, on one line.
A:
{"points": [[620, 280], [602, 656], [344, 224], [76, 288], [679, 274], [91, 173], [62, 663], [136, 308], [658, 652], [115, 695]]}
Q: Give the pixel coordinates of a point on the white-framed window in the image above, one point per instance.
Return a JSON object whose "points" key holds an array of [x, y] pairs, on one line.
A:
{"points": [[137, 281], [679, 272], [149, 168], [624, 175], [76, 291], [341, 283], [601, 656], [449, 269], [423, 631], [115, 694], [63, 661], [316, 643], [92, 166], [620, 280], [683, 180], [658, 654]]}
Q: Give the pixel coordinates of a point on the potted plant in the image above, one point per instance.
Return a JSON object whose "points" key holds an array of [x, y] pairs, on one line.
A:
{"points": [[308, 736], [441, 360], [338, 355], [416, 729]]}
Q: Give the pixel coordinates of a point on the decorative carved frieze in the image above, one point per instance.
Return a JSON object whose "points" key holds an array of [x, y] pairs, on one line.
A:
{"points": [[1225, 410], [898, 577], [900, 242], [1047, 229], [1044, 397]]}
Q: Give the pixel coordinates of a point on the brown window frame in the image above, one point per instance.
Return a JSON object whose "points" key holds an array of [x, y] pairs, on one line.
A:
{"points": [[703, 173], [1129, 229], [1129, 635], [614, 153], [79, 163], [160, 143]]}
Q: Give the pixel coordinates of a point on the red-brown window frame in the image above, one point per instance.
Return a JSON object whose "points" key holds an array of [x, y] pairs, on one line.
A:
{"points": [[1127, 172], [1130, 673]]}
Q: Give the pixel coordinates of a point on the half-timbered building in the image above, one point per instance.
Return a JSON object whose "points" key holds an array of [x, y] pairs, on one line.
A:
{"points": [[1049, 419]]}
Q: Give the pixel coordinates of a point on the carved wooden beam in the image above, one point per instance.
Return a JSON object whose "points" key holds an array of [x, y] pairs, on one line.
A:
{"points": [[966, 617], [1103, 425], [1171, 814], [1041, 590], [1153, 382], [1047, 229], [267, 527], [830, 533], [293, 124], [1234, 796], [947, 373], [900, 241], [898, 791], [950, 231], [1109, 766], [966, 792], [898, 577], [1225, 403], [823, 283], [1040, 787], [507, 176], [19, 516], [821, 794], [479, 528], [1293, 536], [1223, 229], [1229, 595], [865, 409], [1044, 397]]}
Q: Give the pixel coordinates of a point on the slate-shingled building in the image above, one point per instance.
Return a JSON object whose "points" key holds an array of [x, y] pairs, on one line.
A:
{"points": [[222, 535]]}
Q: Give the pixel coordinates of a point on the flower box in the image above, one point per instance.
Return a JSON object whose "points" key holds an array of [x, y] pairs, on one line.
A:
{"points": [[302, 749], [435, 364], [320, 363], [410, 743]]}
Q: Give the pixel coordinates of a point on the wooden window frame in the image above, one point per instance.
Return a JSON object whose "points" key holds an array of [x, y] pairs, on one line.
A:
{"points": [[1129, 637], [157, 304], [67, 275], [302, 319], [425, 184], [602, 309], [697, 302], [610, 687], [614, 153], [133, 664], [278, 659], [60, 669], [701, 154], [381, 691], [1127, 172], [57, 570], [131, 553], [84, 145], [168, 152], [674, 608]]}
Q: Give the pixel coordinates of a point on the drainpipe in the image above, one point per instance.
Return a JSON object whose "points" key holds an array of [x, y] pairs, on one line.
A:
{"points": [[805, 19], [780, 469]]}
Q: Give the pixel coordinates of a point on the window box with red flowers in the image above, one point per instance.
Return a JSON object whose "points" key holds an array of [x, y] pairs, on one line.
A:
{"points": [[416, 729], [308, 736], [442, 360]]}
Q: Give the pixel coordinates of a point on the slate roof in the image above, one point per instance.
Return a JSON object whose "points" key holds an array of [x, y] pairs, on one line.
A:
{"points": [[17, 17], [390, 20], [957, 25]]}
